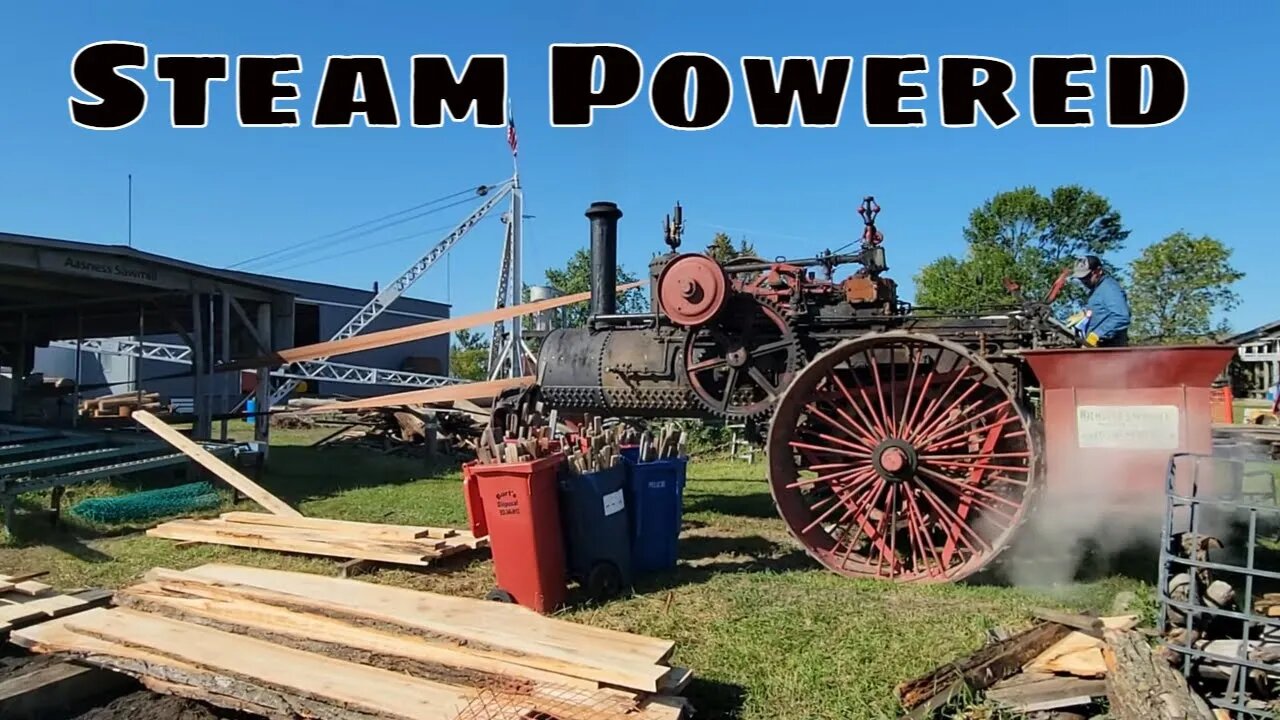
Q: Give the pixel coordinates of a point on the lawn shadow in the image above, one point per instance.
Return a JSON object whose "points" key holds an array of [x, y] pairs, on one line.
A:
{"points": [[715, 700], [298, 473], [753, 505], [703, 557]]}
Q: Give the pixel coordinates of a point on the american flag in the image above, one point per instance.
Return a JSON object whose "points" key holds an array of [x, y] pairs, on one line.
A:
{"points": [[511, 134]]}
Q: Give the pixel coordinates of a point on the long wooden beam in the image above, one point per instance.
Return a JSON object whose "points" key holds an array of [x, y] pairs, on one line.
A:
{"points": [[409, 333], [446, 393], [211, 463]]}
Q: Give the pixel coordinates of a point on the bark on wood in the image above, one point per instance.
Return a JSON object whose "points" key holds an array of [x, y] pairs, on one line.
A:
{"points": [[1141, 686], [984, 668]]}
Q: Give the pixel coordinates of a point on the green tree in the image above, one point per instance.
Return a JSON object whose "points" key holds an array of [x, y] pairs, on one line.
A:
{"points": [[575, 277], [469, 355], [1178, 284], [1024, 236], [722, 250]]}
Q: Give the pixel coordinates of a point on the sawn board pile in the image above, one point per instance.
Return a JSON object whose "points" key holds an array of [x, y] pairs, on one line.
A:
{"points": [[396, 544], [298, 645], [25, 601]]}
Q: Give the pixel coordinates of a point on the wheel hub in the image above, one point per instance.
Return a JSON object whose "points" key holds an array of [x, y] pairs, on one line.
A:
{"points": [[737, 358], [895, 460]]}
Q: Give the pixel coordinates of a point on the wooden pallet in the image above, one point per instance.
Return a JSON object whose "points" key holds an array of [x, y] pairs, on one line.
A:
{"points": [[25, 601], [392, 544], [286, 643]]}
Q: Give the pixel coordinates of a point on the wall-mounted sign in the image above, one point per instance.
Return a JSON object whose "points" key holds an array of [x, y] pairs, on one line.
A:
{"points": [[1128, 427], [101, 266]]}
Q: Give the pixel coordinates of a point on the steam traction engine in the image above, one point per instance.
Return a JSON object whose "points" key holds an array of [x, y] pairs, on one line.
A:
{"points": [[900, 442]]}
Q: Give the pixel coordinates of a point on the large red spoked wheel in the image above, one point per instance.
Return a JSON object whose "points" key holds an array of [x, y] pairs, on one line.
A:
{"points": [[902, 456]]}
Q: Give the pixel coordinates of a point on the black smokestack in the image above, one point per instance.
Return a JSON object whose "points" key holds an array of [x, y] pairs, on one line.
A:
{"points": [[604, 257]]}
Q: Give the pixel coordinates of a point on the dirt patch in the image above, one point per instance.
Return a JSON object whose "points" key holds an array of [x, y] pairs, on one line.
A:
{"points": [[146, 705]]}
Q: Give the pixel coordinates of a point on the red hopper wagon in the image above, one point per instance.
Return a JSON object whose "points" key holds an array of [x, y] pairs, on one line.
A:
{"points": [[903, 442]]}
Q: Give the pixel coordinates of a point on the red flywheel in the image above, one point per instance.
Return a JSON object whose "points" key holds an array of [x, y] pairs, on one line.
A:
{"points": [[902, 456]]}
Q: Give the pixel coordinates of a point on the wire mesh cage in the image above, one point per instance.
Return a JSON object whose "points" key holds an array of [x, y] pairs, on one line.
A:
{"points": [[1219, 585]]}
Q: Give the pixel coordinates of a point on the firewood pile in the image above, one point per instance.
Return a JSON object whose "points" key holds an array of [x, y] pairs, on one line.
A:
{"points": [[1064, 665], [1222, 636], [124, 405]]}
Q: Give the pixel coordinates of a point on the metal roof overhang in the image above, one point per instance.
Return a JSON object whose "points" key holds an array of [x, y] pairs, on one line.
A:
{"points": [[54, 289]]}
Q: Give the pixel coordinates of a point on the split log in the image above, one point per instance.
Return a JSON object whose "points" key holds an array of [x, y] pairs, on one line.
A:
{"points": [[1141, 686], [984, 668]]}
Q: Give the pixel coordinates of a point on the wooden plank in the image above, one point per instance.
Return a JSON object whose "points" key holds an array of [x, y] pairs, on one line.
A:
{"points": [[509, 632], [211, 463], [1076, 654], [982, 669], [339, 548], [32, 588], [222, 689], [40, 609], [361, 688], [445, 393], [344, 527], [285, 532], [409, 333], [59, 689], [324, 634], [1039, 692]]}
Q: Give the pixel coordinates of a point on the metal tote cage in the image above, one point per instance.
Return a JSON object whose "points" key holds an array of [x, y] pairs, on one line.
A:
{"points": [[1226, 647]]}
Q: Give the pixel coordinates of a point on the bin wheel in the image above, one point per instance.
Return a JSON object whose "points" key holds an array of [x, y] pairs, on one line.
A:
{"points": [[500, 595], [604, 581]]}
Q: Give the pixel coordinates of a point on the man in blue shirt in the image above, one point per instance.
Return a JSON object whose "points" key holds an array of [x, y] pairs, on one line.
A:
{"points": [[1107, 306]]}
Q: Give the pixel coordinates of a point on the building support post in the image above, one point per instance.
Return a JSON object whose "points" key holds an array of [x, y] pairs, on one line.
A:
{"points": [[262, 390], [199, 363], [224, 404], [75, 410]]}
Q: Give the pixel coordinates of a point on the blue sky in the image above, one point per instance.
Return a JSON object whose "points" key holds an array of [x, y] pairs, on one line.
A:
{"points": [[223, 194]]}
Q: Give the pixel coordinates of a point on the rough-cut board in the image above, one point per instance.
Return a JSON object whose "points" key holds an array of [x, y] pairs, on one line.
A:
{"points": [[343, 527], [371, 691], [311, 541], [280, 654], [446, 393], [311, 631], [1079, 653], [496, 630], [982, 669], [57, 690], [409, 333], [1034, 692], [211, 463]]}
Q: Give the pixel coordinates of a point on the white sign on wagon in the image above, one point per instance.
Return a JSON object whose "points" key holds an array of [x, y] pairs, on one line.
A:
{"points": [[1128, 427]]}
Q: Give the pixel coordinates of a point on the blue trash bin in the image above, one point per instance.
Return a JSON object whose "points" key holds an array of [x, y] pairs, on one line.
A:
{"points": [[249, 408], [597, 530], [655, 498]]}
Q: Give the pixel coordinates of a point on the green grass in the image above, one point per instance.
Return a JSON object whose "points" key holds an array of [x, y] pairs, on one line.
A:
{"points": [[767, 632]]}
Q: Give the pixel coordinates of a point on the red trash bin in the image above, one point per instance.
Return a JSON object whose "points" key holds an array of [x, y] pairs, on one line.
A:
{"points": [[522, 513]]}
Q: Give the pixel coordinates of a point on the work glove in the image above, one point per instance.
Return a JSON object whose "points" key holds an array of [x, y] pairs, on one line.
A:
{"points": [[1076, 319], [1091, 340]]}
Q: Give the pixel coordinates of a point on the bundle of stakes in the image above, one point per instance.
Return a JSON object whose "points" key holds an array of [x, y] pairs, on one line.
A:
{"points": [[593, 448], [527, 435], [666, 445]]}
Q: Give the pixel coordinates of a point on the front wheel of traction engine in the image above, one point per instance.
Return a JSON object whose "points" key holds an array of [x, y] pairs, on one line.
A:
{"points": [[902, 456]]}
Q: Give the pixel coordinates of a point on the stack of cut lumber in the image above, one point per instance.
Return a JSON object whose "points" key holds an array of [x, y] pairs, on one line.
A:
{"points": [[123, 405], [392, 544], [24, 601], [294, 644]]}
